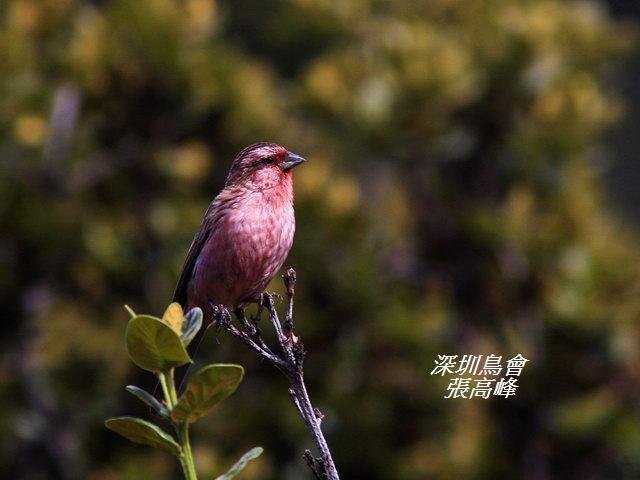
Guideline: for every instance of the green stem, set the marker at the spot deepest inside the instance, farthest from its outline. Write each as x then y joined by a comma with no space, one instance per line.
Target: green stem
190,471
165,390
171,398
172,388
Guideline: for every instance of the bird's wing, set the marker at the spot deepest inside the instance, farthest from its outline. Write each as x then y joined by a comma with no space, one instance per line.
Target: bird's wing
180,294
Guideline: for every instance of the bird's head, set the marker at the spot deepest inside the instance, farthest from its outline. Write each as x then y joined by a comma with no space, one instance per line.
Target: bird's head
263,165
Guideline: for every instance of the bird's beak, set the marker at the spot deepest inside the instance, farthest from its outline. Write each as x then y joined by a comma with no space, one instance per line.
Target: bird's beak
291,161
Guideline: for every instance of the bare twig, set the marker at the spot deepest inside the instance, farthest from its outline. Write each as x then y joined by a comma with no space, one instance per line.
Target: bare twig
290,363
312,464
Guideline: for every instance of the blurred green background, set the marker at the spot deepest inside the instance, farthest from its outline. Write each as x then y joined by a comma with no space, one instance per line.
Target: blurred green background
455,201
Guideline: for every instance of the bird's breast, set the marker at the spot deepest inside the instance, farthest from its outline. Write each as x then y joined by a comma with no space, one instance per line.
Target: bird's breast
249,243
261,229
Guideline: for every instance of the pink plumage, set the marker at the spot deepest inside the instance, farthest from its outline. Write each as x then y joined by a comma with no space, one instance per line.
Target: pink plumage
246,233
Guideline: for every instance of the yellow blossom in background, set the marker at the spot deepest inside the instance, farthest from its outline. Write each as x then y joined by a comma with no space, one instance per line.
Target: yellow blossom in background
24,15
30,129
88,48
312,179
550,105
256,100
190,162
325,84
201,18
342,195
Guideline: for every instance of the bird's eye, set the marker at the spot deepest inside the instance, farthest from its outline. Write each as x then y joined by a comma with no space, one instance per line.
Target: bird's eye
269,160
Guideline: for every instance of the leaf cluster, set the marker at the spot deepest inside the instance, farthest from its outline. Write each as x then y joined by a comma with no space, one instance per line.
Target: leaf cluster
159,345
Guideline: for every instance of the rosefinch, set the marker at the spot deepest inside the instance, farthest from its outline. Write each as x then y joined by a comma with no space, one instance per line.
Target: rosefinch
245,235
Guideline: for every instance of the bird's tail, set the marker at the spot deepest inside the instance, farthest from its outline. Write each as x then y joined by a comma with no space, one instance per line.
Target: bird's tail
182,373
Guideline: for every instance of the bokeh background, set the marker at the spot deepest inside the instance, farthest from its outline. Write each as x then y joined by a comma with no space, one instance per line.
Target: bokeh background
472,187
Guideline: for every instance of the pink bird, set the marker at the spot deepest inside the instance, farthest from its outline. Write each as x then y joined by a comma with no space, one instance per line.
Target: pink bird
246,233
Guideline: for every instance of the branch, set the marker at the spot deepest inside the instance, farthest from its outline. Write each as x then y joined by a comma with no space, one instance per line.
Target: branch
289,362
223,320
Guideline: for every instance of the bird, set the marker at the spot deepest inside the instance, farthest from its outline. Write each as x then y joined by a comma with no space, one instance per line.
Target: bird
245,236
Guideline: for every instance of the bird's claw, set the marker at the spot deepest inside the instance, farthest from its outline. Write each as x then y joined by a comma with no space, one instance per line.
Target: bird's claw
277,296
251,329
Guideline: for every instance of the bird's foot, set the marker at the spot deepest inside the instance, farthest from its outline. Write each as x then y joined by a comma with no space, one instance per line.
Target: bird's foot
220,316
276,295
251,329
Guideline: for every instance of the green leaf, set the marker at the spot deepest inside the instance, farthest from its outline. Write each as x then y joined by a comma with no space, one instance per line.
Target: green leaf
141,431
191,326
206,388
153,345
174,317
240,464
149,399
